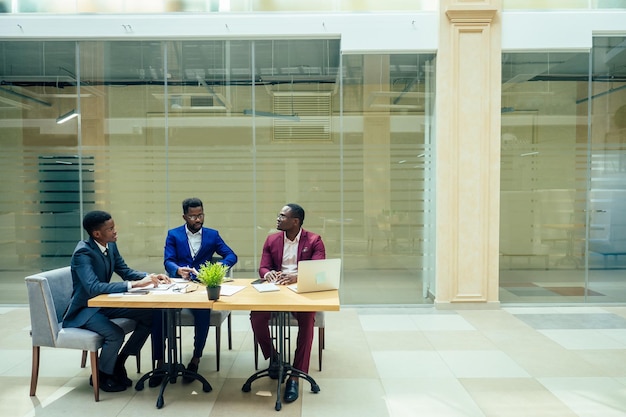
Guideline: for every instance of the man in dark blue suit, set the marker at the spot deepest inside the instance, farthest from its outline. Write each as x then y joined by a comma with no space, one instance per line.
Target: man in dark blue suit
93,262
187,247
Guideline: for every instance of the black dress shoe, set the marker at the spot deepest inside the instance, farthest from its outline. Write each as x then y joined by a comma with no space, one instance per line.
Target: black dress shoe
108,383
120,374
274,369
291,391
193,367
122,377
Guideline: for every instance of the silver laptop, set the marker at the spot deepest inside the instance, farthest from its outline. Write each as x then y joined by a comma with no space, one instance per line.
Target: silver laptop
317,275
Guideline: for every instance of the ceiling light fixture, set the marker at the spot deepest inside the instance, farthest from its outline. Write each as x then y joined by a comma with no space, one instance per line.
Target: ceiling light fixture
67,116
24,96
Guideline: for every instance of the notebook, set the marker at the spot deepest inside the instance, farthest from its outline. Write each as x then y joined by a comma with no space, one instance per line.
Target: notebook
317,275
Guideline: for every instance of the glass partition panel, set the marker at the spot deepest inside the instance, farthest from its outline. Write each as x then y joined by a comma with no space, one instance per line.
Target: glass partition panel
210,140
46,179
247,126
298,146
386,141
543,177
607,194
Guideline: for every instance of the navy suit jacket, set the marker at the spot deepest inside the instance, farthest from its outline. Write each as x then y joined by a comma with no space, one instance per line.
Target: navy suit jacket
178,254
309,247
91,276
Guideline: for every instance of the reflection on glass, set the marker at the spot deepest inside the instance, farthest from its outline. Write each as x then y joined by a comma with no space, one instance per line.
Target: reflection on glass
155,114
562,238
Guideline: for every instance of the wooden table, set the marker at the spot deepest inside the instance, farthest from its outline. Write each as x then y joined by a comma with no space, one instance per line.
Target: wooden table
281,302
170,303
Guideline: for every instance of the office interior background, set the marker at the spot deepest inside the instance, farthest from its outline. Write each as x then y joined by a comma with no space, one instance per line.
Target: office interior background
248,115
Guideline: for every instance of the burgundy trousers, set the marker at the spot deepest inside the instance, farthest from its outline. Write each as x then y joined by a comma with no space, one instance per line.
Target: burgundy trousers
260,327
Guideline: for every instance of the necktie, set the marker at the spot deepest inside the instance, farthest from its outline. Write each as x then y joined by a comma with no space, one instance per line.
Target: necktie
107,262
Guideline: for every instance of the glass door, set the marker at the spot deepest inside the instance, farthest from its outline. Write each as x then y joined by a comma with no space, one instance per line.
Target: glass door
607,170
543,177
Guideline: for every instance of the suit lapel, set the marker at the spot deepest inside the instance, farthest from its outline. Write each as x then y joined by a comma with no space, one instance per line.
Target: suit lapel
109,264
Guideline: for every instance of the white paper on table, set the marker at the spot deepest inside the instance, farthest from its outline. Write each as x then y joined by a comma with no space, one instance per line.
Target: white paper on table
266,286
227,290
161,287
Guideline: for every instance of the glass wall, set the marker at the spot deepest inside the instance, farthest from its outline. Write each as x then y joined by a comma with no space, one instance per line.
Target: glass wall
543,178
246,126
607,168
562,183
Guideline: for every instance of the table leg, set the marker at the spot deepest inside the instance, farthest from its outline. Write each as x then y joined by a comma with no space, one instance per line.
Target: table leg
285,369
171,368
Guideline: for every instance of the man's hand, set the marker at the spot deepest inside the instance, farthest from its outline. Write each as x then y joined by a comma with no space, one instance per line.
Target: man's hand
287,279
186,272
154,279
273,276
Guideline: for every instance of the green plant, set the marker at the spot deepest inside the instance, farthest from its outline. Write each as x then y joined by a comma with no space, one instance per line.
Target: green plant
212,275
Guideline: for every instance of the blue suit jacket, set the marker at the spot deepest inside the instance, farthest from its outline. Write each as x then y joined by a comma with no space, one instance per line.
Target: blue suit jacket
177,252
91,276
309,247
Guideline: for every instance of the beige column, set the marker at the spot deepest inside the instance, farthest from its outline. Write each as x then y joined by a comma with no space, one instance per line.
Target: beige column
468,153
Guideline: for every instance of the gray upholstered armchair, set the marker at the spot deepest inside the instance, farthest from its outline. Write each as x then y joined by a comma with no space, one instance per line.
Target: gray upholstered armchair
49,295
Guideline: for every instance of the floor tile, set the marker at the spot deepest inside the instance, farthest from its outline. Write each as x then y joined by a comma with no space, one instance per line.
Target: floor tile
431,396
482,364
590,397
515,397
410,364
583,339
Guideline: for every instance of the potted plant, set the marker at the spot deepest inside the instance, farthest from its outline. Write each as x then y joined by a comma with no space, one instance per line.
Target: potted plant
212,275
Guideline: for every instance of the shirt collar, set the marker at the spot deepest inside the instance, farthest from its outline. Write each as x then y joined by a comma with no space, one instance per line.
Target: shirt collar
192,234
296,240
102,248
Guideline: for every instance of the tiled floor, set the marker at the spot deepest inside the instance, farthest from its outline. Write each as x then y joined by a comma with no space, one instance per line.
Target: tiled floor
517,361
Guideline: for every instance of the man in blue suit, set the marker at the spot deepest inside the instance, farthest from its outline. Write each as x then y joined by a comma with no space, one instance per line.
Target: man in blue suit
93,262
186,248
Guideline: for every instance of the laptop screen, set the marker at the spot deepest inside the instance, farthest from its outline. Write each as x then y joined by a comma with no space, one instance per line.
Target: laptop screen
318,275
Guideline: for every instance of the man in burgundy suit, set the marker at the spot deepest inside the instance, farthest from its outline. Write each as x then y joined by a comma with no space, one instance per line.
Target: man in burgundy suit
279,264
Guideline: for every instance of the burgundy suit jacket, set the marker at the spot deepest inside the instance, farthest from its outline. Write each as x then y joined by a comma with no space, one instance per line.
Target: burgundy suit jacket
309,247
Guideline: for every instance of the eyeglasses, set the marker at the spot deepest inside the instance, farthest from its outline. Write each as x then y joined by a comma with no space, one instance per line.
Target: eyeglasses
195,217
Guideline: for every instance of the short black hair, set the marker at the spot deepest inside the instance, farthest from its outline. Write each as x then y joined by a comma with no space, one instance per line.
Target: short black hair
94,219
191,202
297,211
